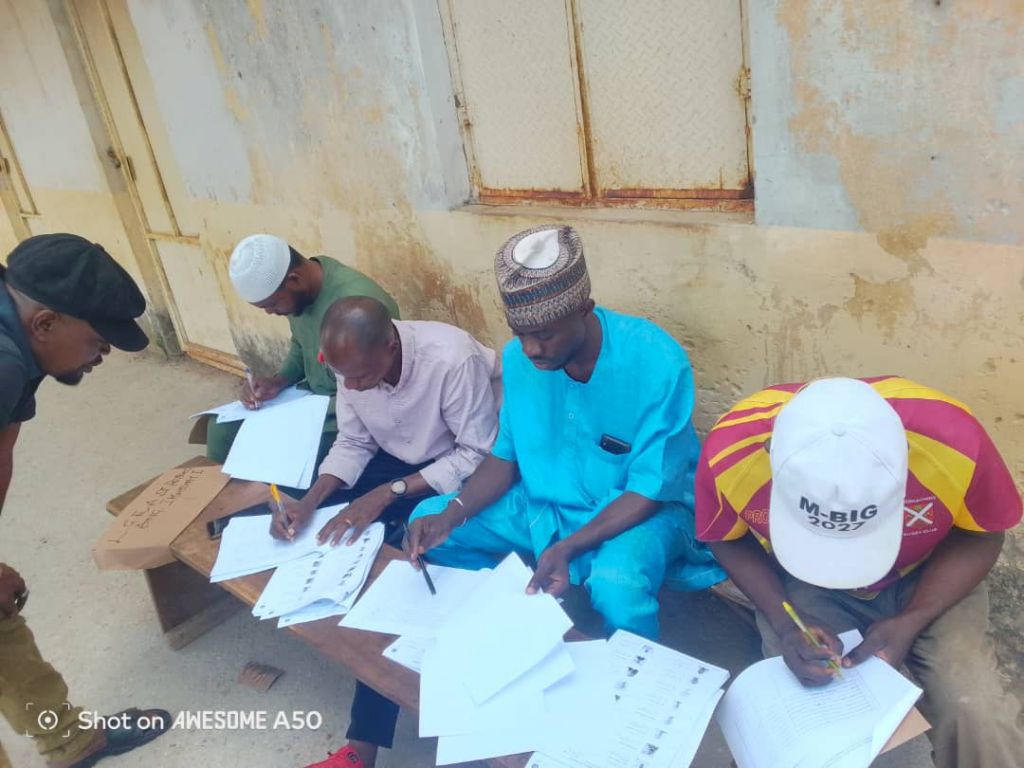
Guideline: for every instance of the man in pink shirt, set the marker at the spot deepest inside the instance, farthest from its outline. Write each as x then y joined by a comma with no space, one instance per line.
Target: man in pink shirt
416,416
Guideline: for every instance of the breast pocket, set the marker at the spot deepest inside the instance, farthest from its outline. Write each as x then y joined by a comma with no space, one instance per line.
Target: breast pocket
604,473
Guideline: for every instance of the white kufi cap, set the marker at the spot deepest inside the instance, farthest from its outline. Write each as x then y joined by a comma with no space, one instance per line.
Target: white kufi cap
258,266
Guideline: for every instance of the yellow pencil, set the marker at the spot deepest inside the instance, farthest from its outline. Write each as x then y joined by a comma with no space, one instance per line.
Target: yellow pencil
276,494
832,663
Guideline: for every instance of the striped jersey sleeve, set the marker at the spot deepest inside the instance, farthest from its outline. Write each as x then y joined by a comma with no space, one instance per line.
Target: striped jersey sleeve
953,456
734,469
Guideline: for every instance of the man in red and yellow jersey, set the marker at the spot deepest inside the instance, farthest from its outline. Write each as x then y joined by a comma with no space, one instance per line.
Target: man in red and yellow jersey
878,505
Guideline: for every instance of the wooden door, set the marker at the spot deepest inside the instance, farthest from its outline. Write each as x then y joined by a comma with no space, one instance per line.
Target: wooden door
116,69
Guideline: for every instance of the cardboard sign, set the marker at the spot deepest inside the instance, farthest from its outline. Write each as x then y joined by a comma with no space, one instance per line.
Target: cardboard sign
141,535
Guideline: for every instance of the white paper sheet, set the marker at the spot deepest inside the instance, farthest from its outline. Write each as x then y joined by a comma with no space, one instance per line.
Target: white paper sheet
247,547
279,445
409,650
399,602
770,719
576,708
540,760
466,747
321,609
236,410
330,573
500,633
447,708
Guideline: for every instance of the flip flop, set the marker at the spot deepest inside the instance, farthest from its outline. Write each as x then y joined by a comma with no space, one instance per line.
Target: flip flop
346,757
121,740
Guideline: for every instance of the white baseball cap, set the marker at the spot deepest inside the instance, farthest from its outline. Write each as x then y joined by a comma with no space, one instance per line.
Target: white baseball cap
258,266
839,476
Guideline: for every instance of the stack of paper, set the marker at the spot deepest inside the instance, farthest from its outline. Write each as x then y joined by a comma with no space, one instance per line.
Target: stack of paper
497,679
399,602
279,444
639,704
321,584
236,410
483,681
246,546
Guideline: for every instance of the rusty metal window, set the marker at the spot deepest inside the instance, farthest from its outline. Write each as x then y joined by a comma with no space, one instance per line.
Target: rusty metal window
604,102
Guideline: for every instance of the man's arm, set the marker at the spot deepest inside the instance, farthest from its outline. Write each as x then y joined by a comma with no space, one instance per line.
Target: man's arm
361,512
628,510
293,369
491,480
754,572
469,412
344,464
8,437
958,564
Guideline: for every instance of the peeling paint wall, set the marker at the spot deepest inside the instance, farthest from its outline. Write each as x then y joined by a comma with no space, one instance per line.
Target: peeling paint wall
900,117
327,123
332,123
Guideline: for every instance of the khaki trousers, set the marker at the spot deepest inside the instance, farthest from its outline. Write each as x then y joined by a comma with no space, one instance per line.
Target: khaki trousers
33,697
974,721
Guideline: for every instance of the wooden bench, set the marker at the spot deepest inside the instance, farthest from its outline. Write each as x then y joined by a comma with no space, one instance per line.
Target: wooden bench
187,605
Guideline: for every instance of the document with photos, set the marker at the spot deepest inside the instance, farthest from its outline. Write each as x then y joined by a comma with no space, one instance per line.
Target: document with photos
329,574
659,704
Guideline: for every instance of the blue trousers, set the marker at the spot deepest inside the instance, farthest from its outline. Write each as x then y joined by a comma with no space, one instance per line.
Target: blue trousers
623,575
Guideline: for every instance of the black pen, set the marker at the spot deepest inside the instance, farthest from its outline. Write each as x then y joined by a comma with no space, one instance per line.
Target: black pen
423,569
422,565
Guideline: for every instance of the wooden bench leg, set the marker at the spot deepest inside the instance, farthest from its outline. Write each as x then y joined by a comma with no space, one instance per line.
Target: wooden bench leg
187,605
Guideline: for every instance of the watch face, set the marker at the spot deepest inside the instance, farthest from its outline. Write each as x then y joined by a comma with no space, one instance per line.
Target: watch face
399,487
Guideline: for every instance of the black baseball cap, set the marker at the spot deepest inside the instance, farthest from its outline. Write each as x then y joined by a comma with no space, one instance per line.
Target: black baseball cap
69,274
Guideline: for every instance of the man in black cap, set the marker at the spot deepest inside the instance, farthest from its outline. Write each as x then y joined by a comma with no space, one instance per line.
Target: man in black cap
63,303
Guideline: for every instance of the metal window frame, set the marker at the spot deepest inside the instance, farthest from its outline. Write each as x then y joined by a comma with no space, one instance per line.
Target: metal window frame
592,195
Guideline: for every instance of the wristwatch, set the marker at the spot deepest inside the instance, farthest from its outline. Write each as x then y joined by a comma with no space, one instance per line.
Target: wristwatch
399,487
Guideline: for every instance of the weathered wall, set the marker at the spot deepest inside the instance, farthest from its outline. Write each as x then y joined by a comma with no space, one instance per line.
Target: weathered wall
50,134
901,117
327,123
332,123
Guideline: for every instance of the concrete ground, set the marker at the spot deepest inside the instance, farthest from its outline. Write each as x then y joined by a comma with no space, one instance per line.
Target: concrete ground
128,421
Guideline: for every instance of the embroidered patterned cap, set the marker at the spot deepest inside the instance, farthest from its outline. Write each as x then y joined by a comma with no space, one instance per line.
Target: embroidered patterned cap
542,276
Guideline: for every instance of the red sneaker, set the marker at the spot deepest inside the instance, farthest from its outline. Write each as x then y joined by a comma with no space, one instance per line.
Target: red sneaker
346,757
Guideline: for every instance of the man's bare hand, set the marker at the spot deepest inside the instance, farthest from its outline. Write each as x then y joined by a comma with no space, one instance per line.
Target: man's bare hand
425,533
12,587
552,574
296,516
261,391
807,662
357,517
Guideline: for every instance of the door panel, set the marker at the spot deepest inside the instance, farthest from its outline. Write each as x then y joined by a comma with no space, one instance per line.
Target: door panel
134,157
197,306
197,295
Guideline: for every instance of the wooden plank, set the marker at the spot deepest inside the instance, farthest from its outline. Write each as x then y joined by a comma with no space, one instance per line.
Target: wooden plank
187,604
